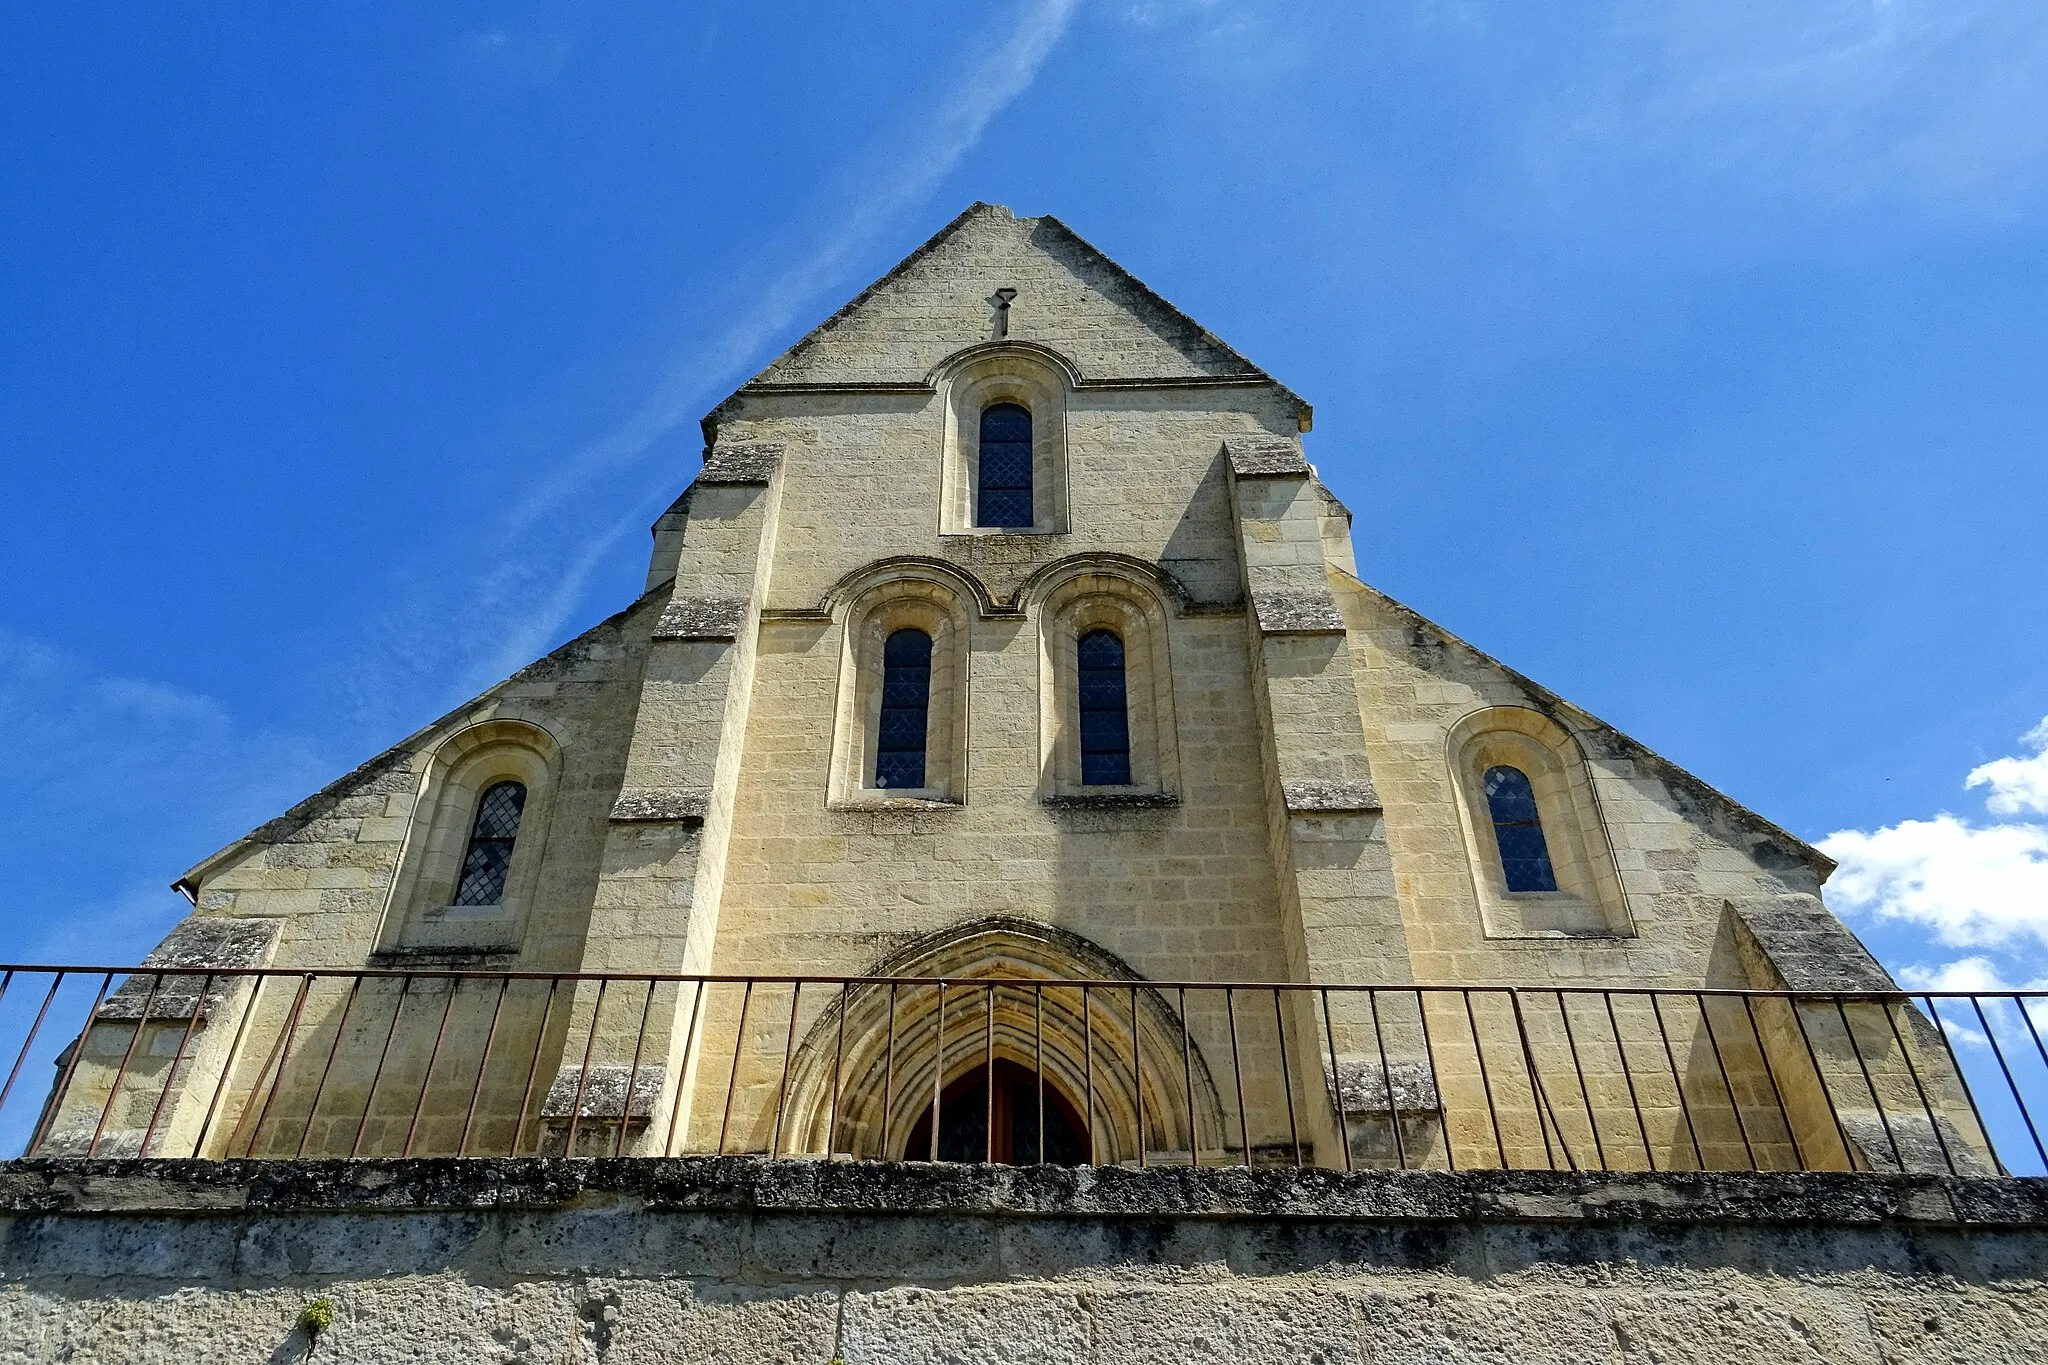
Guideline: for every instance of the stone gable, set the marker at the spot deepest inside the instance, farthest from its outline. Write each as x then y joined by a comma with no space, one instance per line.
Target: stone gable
1070,297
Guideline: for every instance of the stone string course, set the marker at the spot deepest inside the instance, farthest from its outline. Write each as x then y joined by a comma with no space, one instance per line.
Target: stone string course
741,1260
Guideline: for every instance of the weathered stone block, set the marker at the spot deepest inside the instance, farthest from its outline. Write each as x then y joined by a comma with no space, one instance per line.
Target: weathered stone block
1297,613
198,942
702,618
656,805
740,462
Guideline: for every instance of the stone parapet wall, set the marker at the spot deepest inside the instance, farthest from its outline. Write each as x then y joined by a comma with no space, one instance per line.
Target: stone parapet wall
743,1260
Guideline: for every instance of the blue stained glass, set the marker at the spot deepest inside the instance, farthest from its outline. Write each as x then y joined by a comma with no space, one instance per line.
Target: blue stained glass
1006,422
1518,831
1003,480
1105,711
906,706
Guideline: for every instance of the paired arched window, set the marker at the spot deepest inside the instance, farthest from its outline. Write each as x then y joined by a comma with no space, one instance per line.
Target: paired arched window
1518,830
906,706
491,836
1105,711
1004,483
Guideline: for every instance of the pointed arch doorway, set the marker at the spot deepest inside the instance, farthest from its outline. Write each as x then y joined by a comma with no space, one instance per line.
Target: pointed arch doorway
1003,1126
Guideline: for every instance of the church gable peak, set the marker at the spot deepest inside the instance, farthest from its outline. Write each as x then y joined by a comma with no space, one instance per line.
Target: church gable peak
990,277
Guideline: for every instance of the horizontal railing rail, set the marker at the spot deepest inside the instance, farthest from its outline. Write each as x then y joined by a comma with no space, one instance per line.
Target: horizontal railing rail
192,1061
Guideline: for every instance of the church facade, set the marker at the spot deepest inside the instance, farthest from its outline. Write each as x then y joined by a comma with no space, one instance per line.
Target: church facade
1006,635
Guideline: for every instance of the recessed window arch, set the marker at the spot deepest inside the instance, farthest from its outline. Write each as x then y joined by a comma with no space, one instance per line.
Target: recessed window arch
1518,830
1105,710
476,842
1003,488
492,836
901,727
1540,859
1004,440
1106,721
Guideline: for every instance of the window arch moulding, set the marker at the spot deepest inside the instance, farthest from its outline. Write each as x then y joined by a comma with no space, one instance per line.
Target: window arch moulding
1084,602
1588,901
901,601
422,917
1032,378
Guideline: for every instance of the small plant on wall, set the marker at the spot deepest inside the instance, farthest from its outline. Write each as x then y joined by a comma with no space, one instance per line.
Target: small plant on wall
315,1318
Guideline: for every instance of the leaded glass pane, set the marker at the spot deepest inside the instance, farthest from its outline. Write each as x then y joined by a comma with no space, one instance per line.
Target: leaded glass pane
906,705
1105,711
908,647
1005,473
900,770
1100,649
905,685
489,856
1106,770
1518,831
1509,796
1104,732
1006,468
1005,509
902,727
1005,422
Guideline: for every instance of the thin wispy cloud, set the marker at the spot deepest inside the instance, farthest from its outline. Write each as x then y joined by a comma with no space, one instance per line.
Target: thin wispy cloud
522,59
533,586
891,184
159,775
1943,102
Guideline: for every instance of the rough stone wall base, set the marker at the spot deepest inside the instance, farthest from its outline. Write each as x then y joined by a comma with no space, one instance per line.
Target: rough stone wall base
735,1260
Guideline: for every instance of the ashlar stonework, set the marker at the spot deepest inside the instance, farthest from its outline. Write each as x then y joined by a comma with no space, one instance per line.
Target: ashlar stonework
1301,792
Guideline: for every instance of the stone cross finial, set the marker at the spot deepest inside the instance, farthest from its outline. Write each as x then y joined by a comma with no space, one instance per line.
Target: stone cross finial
1001,299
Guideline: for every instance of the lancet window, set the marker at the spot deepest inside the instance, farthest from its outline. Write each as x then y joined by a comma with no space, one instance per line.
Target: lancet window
491,837
906,706
1518,830
1105,711
1004,484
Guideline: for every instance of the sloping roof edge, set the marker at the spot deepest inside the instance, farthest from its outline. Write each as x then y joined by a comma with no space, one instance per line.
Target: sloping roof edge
931,244
279,828
1633,749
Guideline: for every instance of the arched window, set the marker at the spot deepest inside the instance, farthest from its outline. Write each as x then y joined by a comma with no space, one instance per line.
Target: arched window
1005,482
1524,857
490,844
906,702
1105,714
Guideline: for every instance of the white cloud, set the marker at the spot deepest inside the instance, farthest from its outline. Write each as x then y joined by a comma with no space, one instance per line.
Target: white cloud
1975,973
2019,786
1973,885
1965,1020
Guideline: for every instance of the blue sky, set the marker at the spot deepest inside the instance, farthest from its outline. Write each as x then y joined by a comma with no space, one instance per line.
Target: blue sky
1686,356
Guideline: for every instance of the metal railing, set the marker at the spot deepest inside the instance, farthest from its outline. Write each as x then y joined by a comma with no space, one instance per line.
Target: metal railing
297,1064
